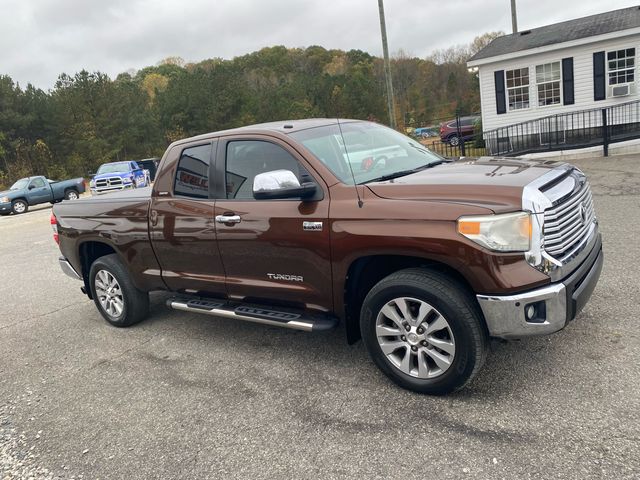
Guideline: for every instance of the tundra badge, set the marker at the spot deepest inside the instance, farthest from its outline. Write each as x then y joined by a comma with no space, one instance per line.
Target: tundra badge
312,226
289,278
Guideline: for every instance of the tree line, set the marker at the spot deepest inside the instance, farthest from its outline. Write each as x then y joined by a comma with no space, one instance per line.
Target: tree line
88,118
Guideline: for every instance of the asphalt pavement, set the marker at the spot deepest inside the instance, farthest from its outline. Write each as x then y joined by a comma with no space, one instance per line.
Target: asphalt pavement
188,396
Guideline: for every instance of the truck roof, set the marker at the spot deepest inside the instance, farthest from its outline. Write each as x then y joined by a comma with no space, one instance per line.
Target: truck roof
283,127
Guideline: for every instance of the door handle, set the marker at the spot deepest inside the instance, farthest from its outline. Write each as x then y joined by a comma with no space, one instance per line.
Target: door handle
228,218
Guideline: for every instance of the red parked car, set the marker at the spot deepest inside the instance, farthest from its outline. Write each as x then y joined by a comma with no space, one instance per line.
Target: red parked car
449,130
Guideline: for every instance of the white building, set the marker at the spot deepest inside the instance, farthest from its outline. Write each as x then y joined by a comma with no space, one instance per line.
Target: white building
587,63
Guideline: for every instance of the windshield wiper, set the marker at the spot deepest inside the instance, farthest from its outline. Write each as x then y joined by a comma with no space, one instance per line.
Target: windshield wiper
402,173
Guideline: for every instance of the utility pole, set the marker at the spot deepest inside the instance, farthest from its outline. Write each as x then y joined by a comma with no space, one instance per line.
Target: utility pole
387,67
514,17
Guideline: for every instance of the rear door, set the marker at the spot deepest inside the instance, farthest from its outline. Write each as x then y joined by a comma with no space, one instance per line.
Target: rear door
181,221
274,251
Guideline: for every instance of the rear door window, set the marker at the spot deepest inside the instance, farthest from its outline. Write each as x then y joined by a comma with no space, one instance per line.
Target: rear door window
192,174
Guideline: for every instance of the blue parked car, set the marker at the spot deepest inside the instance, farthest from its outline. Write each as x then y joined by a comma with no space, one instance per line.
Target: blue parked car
30,191
115,176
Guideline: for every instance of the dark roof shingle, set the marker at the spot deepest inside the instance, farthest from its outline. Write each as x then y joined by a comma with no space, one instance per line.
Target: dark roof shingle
590,26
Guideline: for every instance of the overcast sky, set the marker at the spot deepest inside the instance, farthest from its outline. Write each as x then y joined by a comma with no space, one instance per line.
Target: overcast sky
39,39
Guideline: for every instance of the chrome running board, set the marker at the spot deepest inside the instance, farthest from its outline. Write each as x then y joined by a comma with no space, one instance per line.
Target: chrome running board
296,320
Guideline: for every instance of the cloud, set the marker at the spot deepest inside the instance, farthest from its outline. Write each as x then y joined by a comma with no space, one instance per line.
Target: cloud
40,40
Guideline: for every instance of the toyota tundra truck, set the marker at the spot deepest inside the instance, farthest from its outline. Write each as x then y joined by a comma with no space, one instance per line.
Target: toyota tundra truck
425,259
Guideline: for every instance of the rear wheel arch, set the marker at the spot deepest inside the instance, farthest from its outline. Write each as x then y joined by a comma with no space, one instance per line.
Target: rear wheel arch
89,252
71,189
365,272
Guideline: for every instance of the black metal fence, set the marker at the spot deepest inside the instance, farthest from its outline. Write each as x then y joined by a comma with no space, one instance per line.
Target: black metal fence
456,137
564,131
470,148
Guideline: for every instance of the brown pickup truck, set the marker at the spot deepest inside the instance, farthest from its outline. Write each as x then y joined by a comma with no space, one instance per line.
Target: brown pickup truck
311,223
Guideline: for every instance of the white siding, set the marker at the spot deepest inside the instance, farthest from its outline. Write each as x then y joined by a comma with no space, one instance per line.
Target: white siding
583,82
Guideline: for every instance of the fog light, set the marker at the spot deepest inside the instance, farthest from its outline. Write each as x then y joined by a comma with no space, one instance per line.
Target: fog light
536,312
530,312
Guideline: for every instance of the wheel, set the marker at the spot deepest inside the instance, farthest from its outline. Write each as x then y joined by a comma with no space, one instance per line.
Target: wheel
71,195
117,299
454,141
19,206
424,331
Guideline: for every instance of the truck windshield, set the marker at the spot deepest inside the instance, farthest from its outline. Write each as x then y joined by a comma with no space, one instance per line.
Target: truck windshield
113,168
20,184
370,150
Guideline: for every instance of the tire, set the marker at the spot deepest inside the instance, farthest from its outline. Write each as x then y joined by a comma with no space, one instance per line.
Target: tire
133,303
454,141
440,361
71,195
19,206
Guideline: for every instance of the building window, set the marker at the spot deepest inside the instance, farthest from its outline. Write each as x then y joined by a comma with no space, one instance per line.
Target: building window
621,65
548,81
518,88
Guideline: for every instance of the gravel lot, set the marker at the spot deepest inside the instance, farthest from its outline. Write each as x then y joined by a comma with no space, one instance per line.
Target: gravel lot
187,396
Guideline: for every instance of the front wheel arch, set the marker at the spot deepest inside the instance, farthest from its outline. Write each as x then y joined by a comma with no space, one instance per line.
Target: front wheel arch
19,200
365,272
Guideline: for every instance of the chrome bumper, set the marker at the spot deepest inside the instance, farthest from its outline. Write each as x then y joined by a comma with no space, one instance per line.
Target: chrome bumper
68,269
555,305
505,314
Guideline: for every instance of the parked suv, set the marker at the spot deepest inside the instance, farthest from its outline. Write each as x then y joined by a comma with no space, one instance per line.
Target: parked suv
421,257
449,130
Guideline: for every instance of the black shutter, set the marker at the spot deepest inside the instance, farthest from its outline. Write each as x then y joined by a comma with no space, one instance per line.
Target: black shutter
599,80
567,81
501,104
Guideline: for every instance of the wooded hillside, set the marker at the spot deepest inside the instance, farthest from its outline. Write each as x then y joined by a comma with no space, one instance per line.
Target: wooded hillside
88,118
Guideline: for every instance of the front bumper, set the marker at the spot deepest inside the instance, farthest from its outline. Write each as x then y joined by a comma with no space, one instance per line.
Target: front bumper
6,207
555,305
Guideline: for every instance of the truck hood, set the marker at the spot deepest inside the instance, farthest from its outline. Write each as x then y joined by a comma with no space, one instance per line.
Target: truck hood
10,193
492,182
109,175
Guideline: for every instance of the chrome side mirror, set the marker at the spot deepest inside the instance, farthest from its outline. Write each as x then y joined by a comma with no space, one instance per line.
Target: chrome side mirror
281,184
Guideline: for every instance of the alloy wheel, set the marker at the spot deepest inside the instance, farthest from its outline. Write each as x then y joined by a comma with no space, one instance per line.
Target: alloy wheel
109,293
415,338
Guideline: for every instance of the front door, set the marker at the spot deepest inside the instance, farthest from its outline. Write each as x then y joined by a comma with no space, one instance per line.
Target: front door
39,191
274,251
181,218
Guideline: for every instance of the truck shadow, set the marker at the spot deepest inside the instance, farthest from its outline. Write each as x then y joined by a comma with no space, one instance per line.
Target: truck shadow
312,360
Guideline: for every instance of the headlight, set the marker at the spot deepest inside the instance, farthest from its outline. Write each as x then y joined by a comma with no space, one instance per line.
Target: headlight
92,183
509,232
5,200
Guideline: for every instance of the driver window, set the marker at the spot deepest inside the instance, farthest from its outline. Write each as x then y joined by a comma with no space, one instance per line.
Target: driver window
248,158
37,183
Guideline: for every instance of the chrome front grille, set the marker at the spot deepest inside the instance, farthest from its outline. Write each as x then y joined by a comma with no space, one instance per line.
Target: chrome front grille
566,224
107,183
